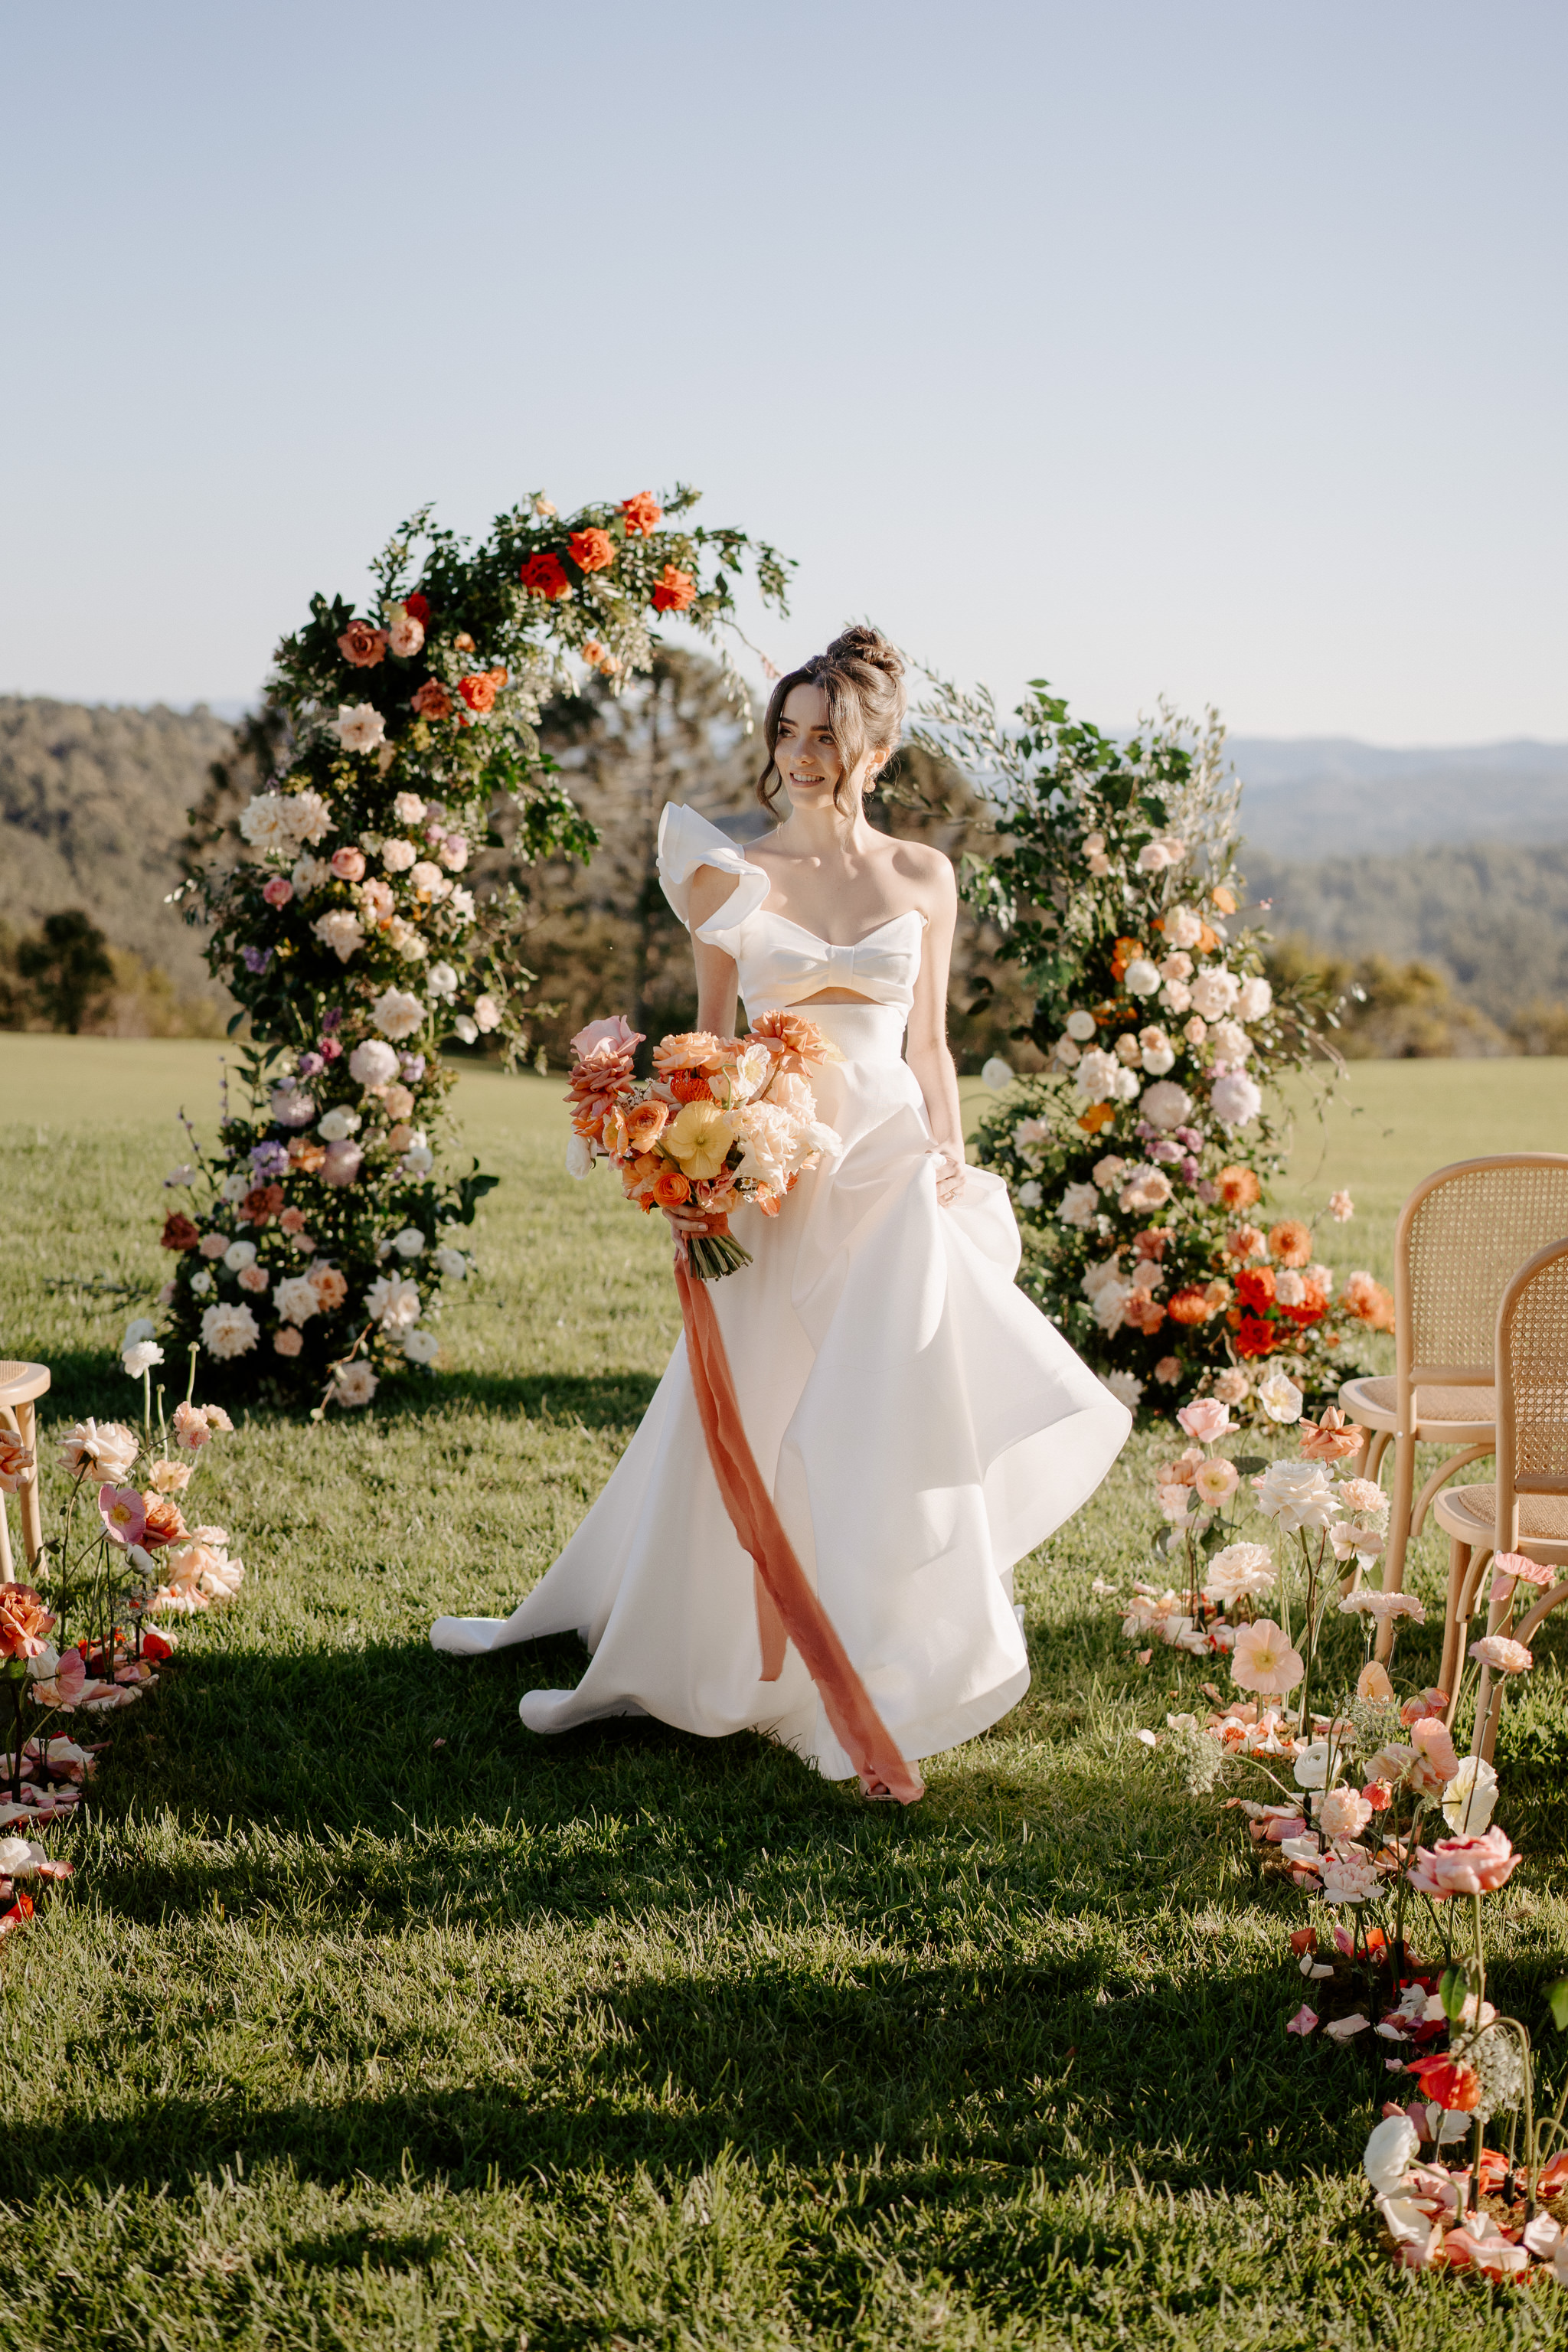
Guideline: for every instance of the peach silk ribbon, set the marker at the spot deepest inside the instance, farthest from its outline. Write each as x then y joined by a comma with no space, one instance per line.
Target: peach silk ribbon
787,1608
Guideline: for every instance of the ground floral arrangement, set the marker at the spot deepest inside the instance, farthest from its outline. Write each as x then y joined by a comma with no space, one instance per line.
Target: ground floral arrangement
1138,1161
1344,1801
79,1640
724,1123
312,1259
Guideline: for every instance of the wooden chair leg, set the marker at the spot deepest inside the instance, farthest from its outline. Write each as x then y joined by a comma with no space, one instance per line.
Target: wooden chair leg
1398,1532
1375,1452
30,1496
1459,1568
7,1574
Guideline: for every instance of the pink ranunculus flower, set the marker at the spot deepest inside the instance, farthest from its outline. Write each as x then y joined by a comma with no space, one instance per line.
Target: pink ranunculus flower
1205,1418
1264,1660
123,1513
615,1031
278,891
1477,1865
1342,1813
348,864
1503,1655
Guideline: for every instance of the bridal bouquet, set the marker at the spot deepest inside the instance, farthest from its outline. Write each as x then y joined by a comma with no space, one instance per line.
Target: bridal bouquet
723,1123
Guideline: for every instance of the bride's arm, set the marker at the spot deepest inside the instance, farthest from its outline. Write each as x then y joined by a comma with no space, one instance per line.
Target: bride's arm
717,981
926,1052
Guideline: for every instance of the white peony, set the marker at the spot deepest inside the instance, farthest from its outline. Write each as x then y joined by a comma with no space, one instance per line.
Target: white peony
452,1264
338,929
362,728
1281,1398
1097,1075
374,1064
409,809
1080,1205
394,1302
339,1124
1166,1105
1235,1100
1140,978
409,1242
238,1255
296,1299
421,1346
228,1330
1215,993
1254,999
396,1013
1080,1026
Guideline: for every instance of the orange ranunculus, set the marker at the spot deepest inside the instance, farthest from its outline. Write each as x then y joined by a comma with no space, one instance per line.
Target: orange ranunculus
361,645
1096,1116
478,690
1370,1301
1255,1287
689,1086
1123,954
303,1154
1189,1306
545,575
671,1188
674,590
591,550
692,1049
642,515
262,1204
1255,1337
432,702
1144,1313
166,1521
1290,1242
178,1233
330,1286
645,1123
1224,900
1238,1186
1243,1242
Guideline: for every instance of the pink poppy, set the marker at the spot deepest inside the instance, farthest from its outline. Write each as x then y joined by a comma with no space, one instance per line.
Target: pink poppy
124,1514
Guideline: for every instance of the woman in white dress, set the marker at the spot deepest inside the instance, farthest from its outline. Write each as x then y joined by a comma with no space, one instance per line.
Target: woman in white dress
920,1425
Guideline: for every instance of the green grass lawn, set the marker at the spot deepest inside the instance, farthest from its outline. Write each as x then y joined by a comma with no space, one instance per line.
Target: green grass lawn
372,2019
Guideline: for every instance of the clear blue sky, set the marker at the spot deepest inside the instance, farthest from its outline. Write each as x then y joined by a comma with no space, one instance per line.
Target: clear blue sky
1153,345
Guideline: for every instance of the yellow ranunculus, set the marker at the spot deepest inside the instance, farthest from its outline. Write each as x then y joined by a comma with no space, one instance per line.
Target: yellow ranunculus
700,1139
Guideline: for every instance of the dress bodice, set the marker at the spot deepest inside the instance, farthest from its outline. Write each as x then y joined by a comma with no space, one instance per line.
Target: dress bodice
779,961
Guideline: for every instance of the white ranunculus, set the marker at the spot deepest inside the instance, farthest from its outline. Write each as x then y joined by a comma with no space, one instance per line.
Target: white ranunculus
442,981
339,1124
1080,1026
1235,1100
1215,993
452,1264
396,1013
1140,978
373,1064
419,1159
201,1285
228,1330
234,1186
1080,1205
1390,2153
339,930
1030,1195
140,1358
394,1301
421,1346
1298,1494
409,1242
1313,1763
1281,1398
1166,1105
1254,999
296,1299
1158,1059
238,1255
996,1074
360,728
1097,1075
1470,1797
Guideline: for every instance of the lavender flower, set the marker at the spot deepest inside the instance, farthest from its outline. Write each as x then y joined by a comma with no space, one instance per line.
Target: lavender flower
257,959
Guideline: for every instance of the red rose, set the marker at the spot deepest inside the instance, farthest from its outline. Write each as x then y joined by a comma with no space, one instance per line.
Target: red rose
642,515
418,608
261,1203
1255,1287
591,550
676,590
1255,1337
361,645
432,702
545,575
178,1233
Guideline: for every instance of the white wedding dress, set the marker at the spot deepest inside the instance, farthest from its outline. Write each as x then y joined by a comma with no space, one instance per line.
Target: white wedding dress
920,1425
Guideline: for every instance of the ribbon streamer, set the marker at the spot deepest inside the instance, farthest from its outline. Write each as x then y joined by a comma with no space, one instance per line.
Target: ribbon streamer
787,1608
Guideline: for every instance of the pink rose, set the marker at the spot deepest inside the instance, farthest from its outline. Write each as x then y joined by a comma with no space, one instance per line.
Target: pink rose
348,864
1205,1418
454,853
288,1341
378,903
615,1031
278,891
1464,1866
213,1245
341,1164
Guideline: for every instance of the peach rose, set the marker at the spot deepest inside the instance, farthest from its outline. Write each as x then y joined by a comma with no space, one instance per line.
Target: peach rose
361,645
432,702
348,864
288,1341
645,1123
330,1286
478,690
165,1520
377,903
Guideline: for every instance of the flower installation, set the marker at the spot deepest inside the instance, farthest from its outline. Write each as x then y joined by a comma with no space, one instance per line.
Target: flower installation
311,1260
79,1640
1351,1811
723,1123
1139,1161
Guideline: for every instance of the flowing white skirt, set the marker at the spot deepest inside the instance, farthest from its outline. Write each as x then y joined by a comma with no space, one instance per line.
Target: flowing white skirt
923,1427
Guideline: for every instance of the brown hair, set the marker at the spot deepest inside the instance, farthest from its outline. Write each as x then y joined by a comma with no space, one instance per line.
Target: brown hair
862,676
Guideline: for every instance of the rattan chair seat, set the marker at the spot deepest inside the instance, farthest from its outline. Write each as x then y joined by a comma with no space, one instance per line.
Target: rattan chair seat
1375,1402
1471,1513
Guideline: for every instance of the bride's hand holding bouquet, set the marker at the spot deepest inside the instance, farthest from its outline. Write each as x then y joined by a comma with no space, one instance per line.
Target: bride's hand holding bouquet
723,1123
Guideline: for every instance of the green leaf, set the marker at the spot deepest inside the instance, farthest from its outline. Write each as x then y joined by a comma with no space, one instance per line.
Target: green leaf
1247,1465
1453,1991
1557,2000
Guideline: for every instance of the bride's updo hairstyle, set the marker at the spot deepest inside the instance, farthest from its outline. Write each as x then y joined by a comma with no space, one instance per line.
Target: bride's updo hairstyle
862,676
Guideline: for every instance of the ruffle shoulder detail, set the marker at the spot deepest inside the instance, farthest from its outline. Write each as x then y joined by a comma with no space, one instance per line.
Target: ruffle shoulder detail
686,841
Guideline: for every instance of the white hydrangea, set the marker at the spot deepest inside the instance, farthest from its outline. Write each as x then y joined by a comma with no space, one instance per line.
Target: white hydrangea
1236,1100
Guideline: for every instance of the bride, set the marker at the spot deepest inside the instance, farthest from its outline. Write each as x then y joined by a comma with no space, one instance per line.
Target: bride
920,1425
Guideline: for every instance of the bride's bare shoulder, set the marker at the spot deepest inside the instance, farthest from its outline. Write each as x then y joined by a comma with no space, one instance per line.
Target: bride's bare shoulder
929,870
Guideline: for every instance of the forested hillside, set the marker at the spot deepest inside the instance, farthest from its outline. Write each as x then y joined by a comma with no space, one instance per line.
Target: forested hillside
1330,797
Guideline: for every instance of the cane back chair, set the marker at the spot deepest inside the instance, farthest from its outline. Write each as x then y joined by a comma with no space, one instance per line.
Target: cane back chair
1527,1509
1461,1235
21,1385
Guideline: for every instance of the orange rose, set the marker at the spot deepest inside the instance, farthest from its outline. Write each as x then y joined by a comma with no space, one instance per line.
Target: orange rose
178,1233
645,1123
1144,1313
545,575
671,1188
361,645
330,1286
166,1521
676,590
477,691
1290,1242
432,702
1126,950
641,515
591,550
1238,1186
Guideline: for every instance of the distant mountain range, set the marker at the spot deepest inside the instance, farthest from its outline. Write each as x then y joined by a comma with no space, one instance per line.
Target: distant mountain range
1322,797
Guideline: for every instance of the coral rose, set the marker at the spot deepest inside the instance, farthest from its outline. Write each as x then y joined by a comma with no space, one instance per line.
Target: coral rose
178,1233
361,645
330,1286
432,702
278,891
479,689
164,1522
591,550
674,590
1238,1186
545,575
642,515
1290,1242
1189,1306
